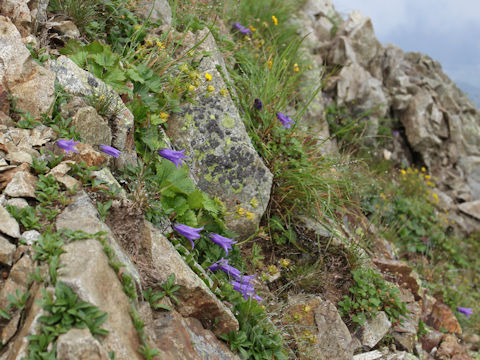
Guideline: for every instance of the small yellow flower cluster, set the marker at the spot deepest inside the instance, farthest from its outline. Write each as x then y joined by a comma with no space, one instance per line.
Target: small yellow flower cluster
208,77
308,336
285,262
275,20
242,212
272,270
296,68
164,115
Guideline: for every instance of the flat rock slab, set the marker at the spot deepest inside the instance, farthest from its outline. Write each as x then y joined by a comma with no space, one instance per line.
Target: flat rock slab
471,208
86,270
7,249
195,298
23,184
8,225
79,344
408,277
373,330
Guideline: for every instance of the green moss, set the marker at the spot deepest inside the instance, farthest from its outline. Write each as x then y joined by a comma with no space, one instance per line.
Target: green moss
240,188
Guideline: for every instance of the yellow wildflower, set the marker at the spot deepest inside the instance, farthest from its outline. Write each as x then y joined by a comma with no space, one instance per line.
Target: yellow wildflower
240,211
137,27
223,92
272,269
210,88
184,68
296,68
431,184
160,45
149,42
403,172
306,308
275,20
285,262
191,87
101,97
297,317
252,29
254,202
208,77
435,197
427,177
423,169
249,215
164,116
269,63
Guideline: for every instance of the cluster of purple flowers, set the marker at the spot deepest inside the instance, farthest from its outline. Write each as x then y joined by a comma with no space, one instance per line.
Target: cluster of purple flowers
465,311
286,120
69,146
241,283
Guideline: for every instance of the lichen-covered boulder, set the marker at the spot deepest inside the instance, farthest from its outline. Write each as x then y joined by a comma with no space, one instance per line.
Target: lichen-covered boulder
223,161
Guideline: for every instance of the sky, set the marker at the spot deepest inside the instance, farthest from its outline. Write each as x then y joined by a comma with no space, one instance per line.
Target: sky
446,30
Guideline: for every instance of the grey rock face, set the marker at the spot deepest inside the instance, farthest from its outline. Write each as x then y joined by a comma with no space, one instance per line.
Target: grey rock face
373,330
155,10
223,161
8,225
93,129
79,344
7,249
31,84
23,184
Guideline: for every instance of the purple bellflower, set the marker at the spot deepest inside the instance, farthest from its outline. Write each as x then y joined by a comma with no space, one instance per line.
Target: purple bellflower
172,155
257,104
466,311
222,264
224,242
67,145
246,290
286,120
190,233
242,29
110,150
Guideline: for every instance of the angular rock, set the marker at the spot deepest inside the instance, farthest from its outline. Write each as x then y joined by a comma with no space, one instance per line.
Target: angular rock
223,161
8,225
373,330
195,298
6,176
7,249
106,176
60,171
11,328
30,237
93,128
185,338
450,348
29,83
86,270
155,10
23,184
18,202
19,13
78,82
371,355
17,279
81,214
471,208
442,317
80,344
407,277
431,340
400,355
331,338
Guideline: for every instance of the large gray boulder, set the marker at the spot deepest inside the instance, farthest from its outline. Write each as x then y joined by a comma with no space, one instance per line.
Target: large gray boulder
223,161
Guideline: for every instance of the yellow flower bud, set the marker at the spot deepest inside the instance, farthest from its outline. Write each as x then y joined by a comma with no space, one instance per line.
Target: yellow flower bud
210,88
275,20
208,77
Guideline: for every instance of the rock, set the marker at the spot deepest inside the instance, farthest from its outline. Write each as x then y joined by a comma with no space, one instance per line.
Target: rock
405,332
23,184
155,10
431,340
407,277
195,298
66,29
7,249
450,348
30,237
82,215
400,355
223,161
7,176
106,176
18,202
371,355
19,13
86,153
87,271
8,225
11,328
320,332
30,84
60,171
80,344
443,318
185,338
93,129
81,83
471,208
17,279
373,330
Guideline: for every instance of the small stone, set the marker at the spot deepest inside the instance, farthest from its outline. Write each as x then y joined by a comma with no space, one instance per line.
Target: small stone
442,317
407,277
11,328
7,249
371,355
80,344
66,28
431,340
23,184
17,202
93,128
8,225
30,237
60,171
373,330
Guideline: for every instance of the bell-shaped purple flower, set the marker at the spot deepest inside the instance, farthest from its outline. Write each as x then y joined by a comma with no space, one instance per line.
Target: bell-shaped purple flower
246,290
222,264
286,120
190,233
466,311
110,150
224,242
242,29
257,104
67,145
173,155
